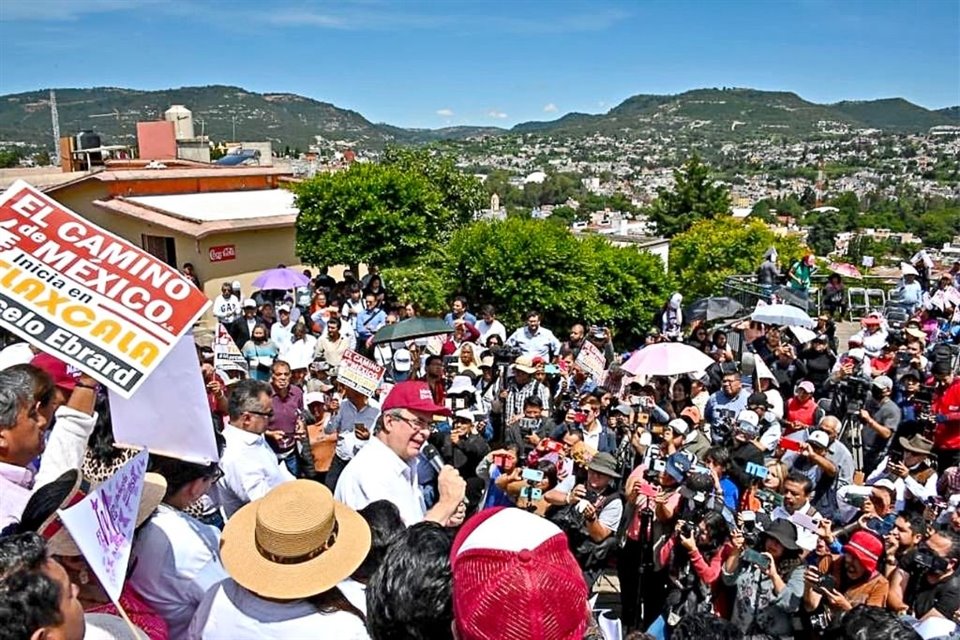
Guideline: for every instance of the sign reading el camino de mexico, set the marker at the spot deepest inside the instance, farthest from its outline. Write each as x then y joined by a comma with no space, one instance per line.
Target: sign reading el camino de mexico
86,296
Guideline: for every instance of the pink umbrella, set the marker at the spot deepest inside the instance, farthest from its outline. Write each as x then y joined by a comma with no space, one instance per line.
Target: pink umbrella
844,269
667,359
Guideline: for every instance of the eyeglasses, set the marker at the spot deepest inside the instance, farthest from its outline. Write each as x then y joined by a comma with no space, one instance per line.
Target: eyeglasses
265,414
416,423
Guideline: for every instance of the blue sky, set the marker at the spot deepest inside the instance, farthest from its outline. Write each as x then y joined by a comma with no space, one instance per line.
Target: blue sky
433,64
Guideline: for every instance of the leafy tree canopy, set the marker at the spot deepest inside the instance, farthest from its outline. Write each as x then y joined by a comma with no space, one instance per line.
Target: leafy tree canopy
694,197
385,214
702,257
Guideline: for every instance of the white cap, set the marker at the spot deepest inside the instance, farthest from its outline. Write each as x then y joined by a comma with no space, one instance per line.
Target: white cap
283,307
402,361
235,285
679,426
857,354
313,396
250,302
749,417
461,384
464,414
819,438
886,483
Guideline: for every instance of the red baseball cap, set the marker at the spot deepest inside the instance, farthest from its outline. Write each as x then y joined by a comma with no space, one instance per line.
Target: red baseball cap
64,375
414,395
514,577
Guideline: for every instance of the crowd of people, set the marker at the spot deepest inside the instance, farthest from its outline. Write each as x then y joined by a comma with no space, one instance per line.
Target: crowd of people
792,489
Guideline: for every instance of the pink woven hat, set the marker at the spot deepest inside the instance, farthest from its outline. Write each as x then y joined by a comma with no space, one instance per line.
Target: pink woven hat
514,577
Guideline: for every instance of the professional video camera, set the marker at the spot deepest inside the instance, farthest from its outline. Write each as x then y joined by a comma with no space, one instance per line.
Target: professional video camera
504,355
849,396
721,431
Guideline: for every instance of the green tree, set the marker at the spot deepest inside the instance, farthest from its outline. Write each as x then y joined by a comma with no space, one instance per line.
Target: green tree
42,158
460,193
823,232
702,257
369,213
694,197
761,211
387,213
519,264
9,158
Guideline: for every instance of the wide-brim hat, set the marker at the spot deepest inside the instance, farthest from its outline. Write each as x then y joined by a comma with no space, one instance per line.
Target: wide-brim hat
917,444
604,463
293,543
525,364
784,532
59,540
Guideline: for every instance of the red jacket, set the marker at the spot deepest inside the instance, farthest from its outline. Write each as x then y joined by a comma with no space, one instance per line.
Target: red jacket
947,404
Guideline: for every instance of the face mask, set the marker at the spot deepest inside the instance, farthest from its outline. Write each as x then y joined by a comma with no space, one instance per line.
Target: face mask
259,339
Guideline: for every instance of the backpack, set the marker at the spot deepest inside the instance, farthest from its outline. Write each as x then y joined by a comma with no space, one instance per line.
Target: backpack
589,553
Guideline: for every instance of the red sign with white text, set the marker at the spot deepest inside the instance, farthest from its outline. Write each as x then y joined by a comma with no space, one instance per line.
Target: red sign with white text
223,253
85,295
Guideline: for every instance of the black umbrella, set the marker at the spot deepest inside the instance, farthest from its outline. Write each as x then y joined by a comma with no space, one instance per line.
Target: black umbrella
411,329
714,308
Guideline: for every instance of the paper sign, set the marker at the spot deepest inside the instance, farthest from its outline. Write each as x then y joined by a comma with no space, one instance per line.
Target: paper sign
226,355
86,296
591,360
170,414
358,373
102,523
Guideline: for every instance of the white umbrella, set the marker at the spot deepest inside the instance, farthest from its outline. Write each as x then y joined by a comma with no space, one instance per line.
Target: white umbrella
667,359
802,334
783,314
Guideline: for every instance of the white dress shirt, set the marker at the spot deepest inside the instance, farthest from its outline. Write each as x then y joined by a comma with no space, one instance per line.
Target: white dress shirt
176,561
377,473
282,336
806,539
250,469
230,612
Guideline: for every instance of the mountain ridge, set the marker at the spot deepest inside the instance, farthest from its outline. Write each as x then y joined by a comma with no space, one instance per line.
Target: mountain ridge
225,112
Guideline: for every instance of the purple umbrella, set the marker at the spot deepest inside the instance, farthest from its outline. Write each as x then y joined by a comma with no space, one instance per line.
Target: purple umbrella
282,279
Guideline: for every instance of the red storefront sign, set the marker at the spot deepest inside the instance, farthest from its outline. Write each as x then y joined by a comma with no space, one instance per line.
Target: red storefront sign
223,252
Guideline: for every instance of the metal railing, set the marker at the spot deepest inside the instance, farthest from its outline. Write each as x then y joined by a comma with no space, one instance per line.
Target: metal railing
745,290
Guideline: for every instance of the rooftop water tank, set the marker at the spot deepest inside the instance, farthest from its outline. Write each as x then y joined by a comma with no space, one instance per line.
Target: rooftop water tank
182,120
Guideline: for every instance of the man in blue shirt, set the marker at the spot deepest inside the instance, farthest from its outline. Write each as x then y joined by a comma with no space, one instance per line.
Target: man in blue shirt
730,400
459,312
368,321
534,340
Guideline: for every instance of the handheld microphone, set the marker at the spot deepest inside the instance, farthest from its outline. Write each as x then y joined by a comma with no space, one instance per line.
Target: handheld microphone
432,456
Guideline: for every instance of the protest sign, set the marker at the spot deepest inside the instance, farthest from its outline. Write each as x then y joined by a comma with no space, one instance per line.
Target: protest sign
170,414
591,360
226,355
102,523
358,373
86,296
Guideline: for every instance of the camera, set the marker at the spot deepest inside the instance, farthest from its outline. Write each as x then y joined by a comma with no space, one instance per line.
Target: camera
769,500
825,583
687,529
881,526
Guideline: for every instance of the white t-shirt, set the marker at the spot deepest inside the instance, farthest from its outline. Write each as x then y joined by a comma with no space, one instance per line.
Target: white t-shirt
377,473
226,310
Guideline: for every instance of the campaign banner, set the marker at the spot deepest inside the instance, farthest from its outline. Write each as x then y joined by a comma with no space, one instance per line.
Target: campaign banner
226,355
102,524
86,296
361,374
591,360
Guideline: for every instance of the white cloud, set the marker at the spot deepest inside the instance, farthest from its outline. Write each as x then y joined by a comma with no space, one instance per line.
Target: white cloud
493,113
446,113
550,108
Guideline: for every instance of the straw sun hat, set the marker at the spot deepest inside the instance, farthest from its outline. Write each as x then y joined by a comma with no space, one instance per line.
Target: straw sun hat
295,542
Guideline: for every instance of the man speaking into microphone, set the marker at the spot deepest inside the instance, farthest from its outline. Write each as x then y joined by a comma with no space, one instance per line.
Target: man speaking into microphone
386,468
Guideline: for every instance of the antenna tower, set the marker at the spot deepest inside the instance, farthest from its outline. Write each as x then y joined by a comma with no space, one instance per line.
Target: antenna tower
55,117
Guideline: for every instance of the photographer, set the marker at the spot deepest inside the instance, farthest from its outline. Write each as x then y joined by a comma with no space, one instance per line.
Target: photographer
911,471
731,399
786,367
881,417
768,580
528,494
745,449
946,406
927,584
797,491
528,430
818,360
825,461
838,583
653,499
769,426
694,555
592,515
493,466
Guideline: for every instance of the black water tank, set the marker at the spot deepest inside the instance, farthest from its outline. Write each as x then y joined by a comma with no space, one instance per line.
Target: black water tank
88,140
